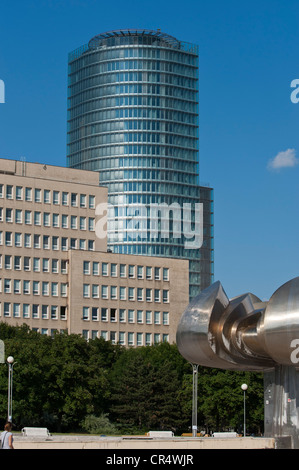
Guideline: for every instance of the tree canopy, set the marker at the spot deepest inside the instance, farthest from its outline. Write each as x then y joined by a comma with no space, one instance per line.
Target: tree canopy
64,381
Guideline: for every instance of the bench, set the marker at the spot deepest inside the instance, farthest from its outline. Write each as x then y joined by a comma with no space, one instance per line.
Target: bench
222,435
35,432
160,434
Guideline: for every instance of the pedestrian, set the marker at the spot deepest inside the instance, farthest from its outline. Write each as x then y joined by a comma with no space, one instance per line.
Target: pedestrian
7,437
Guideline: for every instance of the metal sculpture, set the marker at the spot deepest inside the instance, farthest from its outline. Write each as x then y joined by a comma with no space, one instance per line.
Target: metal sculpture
245,333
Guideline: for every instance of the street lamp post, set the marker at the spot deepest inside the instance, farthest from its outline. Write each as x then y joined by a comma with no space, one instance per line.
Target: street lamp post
194,400
10,362
244,388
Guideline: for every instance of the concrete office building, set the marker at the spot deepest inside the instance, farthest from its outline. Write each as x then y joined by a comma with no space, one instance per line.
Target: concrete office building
56,273
133,117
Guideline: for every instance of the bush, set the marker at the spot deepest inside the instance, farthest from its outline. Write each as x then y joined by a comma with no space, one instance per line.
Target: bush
99,425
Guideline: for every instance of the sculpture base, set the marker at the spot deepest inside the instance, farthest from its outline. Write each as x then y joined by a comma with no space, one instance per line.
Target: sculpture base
281,403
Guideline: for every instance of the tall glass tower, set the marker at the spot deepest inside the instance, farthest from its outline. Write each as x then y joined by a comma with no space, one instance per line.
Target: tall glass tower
133,117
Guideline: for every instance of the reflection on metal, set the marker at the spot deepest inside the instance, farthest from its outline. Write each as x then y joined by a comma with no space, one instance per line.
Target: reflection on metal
245,333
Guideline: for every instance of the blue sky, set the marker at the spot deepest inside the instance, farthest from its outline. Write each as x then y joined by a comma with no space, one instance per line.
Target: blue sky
248,58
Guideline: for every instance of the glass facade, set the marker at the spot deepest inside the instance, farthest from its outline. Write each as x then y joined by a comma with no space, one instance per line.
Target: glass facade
133,117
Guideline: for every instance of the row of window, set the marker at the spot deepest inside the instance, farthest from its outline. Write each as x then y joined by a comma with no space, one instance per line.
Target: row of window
34,311
113,315
47,219
125,293
126,338
141,137
126,65
26,287
145,175
145,149
45,242
35,264
132,100
115,126
38,195
122,270
133,88
120,53
134,112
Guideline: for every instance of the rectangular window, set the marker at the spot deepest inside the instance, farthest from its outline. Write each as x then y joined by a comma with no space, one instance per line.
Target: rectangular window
64,221
82,223
139,294
121,339
37,195
19,193
165,296
104,314
26,310
17,263
74,199
139,316
91,202
47,199
122,293
130,339
130,316
148,317
46,242
28,194
46,219
95,314
54,289
45,312
95,268
82,200
122,315
113,292
148,339
131,271
140,272
35,287
157,318
165,318
18,216
45,265
55,197
148,272
45,288
9,191
17,286
104,292
139,339
104,269
35,311
113,317
122,270
54,312
165,274
55,220
86,267
85,313
113,269
95,291
64,199
86,290
131,293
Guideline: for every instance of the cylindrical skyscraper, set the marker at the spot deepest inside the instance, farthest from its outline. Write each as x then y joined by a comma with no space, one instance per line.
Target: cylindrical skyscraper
133,117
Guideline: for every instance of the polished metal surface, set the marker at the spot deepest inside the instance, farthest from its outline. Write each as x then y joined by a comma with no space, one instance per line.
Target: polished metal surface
247,334
242,333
